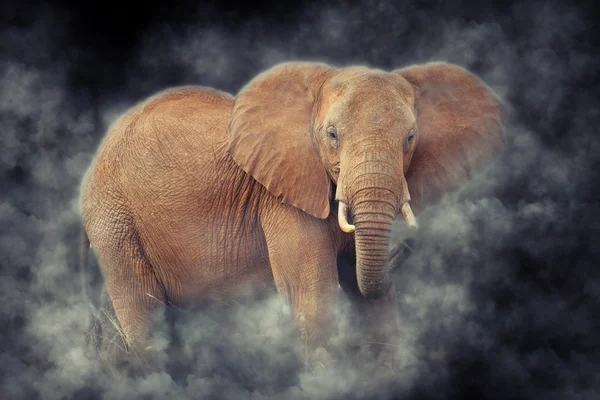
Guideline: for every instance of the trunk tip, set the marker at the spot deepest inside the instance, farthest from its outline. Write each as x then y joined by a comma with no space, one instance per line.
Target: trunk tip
375,292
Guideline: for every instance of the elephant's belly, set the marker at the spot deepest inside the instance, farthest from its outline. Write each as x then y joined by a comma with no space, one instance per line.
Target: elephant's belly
211,279
213,264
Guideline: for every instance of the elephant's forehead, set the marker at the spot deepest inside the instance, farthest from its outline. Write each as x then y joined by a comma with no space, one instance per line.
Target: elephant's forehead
357,111
369,95
367,101
369,83
356,78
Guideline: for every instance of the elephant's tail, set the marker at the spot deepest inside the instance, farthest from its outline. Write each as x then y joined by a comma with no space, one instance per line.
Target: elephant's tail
83,269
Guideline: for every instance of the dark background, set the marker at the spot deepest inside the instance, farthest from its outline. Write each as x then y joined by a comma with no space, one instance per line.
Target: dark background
502,300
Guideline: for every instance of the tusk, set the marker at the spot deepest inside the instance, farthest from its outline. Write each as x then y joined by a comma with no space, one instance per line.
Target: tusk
409,216
343,219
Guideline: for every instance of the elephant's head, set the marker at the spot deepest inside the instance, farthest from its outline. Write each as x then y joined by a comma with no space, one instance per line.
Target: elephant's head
384,140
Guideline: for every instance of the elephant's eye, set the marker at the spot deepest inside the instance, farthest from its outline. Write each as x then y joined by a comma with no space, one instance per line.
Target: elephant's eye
409,139
332,133
411,136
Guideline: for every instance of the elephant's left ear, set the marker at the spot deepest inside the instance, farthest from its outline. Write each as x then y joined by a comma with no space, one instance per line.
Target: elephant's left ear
269,135
460,130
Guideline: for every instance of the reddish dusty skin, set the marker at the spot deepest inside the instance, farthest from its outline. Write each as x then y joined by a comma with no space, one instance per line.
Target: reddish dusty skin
197,194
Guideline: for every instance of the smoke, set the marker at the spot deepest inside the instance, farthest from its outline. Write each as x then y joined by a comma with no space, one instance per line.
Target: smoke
500,299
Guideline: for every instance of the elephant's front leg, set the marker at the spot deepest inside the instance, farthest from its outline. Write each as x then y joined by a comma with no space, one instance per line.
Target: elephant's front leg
303,261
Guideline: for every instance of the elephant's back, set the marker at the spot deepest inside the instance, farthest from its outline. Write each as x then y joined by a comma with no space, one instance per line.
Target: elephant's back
176,120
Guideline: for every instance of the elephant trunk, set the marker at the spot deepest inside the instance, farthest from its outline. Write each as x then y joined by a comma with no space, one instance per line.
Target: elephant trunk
374,206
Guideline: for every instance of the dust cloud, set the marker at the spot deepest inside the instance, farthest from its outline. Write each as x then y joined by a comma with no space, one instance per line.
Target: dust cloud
500,300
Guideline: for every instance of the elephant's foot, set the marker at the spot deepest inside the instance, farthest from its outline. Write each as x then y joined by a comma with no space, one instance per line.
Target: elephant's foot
106,344
314,354
119,354
317,360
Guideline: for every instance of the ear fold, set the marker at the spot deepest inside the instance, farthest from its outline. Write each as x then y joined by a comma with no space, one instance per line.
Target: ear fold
460,125
270,138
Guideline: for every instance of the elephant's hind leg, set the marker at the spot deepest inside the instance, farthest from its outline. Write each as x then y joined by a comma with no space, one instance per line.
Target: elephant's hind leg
104,337
137,295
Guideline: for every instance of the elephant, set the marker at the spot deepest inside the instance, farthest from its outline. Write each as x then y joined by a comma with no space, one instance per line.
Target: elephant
292,184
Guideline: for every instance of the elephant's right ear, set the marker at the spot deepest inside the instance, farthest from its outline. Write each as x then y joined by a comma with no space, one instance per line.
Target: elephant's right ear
269,135
460,123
